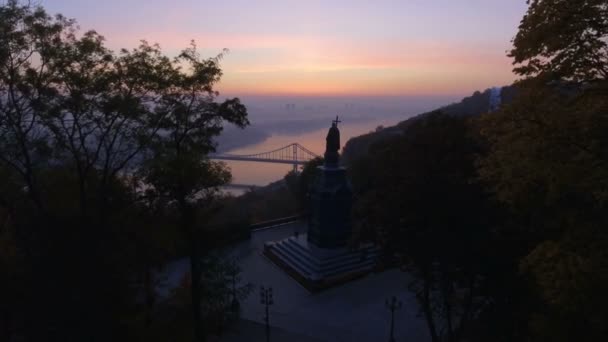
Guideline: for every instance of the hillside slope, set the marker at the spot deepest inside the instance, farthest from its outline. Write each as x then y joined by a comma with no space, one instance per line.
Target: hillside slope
474,105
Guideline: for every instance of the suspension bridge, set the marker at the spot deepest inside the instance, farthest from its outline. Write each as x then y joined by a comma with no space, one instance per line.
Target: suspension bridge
293,154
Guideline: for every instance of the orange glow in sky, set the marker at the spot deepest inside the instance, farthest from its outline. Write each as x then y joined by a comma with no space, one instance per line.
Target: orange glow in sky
384,47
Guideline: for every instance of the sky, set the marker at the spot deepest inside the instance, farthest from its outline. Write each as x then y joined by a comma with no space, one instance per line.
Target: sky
323,47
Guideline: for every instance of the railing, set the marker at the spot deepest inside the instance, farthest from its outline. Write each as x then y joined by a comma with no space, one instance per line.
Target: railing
277,222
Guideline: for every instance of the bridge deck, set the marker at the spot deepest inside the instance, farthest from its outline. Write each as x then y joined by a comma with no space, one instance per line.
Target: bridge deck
259,160
294,154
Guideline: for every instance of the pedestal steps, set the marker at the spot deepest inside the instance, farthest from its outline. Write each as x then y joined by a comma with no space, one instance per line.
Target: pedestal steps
315,263
324,256
330,264
313,274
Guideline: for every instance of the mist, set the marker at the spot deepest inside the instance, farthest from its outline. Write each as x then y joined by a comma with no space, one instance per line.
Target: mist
287,115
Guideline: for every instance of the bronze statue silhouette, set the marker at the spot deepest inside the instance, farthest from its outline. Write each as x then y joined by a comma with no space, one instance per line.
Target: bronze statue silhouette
332,144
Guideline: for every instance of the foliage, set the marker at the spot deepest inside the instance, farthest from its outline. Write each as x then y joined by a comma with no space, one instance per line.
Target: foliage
102,154
543,143
522,188
563,39
425,206
179,171
190,121
299,183
470,106
547,165
222,288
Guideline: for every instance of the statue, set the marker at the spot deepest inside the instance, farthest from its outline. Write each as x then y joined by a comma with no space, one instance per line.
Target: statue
332,144
330,225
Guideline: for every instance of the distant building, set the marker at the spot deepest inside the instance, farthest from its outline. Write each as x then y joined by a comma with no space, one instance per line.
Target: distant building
495,98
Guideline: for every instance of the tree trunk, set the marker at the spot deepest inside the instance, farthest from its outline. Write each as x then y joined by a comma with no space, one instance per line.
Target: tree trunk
150,296
82,184
468,307
446,289
195,286
199,331
6,331
428,311
34,193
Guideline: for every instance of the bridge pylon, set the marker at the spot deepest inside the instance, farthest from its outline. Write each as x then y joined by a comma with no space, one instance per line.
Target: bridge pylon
295,157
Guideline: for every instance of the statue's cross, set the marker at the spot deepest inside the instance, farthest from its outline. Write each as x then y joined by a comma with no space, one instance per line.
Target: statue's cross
337,121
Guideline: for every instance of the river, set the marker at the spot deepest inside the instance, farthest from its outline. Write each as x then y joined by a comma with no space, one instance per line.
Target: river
260,174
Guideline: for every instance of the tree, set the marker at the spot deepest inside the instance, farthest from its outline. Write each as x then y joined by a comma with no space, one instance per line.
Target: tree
547,164
425,206
79,125
106,115
223,290
179,169
67,99
26,89
10,263
299,183
563,39
222,285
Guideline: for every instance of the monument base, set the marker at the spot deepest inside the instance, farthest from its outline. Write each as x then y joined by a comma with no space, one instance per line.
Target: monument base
320,268
330,224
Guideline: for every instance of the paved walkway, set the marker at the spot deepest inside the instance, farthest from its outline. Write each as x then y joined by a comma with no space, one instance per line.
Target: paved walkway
248,331
353,312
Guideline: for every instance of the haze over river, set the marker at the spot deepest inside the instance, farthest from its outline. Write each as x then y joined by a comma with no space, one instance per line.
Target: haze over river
280,121
254,173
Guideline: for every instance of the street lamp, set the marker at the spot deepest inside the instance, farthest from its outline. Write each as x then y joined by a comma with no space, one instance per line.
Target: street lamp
266,300
393,304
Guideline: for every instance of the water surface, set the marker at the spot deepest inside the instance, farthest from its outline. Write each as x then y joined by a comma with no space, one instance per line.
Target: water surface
263,173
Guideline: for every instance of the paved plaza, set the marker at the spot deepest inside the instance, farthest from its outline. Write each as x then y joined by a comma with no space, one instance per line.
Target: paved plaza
249,331
351,312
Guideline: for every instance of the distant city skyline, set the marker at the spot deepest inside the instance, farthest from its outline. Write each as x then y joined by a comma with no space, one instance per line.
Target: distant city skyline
323,48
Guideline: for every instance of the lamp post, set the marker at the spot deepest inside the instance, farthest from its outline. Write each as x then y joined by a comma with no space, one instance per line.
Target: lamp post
266,300
393,304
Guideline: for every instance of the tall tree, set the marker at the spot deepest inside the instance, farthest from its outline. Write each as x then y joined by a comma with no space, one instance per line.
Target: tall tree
563,39
28,39
77,121
68,94
426,207
179,168
105,117
547,163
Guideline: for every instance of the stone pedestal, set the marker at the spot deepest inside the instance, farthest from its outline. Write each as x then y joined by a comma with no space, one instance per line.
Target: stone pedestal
330,224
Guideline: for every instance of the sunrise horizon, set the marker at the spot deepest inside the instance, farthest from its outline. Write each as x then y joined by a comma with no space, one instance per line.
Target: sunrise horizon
324,50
